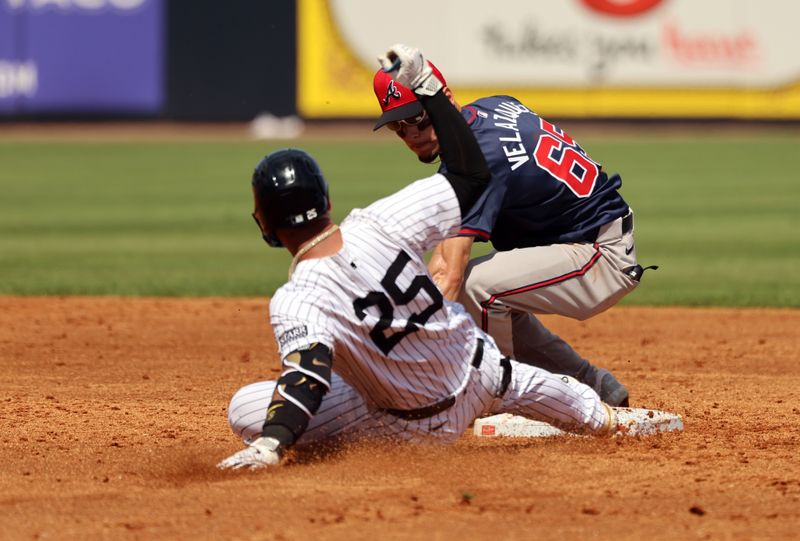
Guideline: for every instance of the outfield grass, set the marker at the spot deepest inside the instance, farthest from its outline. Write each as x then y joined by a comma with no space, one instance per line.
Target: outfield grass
720,215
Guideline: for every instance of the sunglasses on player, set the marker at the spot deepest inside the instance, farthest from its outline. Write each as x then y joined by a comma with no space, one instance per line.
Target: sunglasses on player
421,121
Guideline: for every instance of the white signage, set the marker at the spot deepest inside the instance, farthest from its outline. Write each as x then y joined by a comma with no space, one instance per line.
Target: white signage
18,78
66,5
586,43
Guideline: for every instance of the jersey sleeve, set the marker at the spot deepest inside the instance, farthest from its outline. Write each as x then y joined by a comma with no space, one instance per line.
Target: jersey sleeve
420,215
298,322
480,219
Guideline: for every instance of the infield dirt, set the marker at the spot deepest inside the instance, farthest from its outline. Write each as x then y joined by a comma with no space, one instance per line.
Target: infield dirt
113,415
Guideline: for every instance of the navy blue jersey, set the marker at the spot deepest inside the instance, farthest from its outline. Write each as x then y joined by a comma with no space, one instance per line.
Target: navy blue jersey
544,188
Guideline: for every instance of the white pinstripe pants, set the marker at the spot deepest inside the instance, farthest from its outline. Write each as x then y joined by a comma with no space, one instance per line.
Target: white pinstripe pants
532,392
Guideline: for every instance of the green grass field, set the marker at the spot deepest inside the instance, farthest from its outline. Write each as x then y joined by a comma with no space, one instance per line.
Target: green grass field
719,215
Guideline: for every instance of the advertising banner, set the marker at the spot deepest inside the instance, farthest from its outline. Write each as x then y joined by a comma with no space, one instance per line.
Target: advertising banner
15,79
81,56
571,58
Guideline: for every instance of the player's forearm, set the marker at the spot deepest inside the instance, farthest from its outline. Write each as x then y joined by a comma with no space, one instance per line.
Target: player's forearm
299,393
287,427
448,283
467,169
436,266
453,257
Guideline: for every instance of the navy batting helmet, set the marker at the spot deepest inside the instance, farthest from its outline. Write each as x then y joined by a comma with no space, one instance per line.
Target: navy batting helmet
291,191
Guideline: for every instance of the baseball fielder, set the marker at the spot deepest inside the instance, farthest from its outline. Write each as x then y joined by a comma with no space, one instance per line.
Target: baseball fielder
361,323
563,235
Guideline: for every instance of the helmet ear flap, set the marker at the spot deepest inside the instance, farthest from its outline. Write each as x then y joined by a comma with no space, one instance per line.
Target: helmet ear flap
272,240
269,237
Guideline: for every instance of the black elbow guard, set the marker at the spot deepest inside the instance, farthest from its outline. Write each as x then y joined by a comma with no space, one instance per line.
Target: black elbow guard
301,388
314,362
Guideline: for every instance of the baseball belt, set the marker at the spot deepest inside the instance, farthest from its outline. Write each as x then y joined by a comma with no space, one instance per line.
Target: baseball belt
627,224
627,227
438,407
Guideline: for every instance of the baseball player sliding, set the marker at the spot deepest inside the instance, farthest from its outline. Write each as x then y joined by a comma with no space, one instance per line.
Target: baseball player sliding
369,346
563,235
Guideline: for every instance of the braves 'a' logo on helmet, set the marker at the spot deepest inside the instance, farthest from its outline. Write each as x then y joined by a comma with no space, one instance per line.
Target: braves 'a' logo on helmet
391,92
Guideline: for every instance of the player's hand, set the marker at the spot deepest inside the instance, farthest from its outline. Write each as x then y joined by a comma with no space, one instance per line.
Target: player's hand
259,454
409,68
611,425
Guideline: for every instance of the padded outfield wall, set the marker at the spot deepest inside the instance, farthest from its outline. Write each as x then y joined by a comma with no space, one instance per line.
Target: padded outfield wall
81,56
172,59
572,58
213,60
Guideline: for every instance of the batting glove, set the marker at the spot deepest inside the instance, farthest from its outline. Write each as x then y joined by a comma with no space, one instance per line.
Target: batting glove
409,68
262,452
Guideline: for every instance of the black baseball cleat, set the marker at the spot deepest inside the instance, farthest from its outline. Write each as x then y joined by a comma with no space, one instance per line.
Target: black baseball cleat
611,391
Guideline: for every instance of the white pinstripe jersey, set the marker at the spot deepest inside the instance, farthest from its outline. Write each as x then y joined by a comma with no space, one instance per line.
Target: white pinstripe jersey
374,304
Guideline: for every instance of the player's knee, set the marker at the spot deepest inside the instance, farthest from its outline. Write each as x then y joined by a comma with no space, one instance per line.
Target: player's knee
246,411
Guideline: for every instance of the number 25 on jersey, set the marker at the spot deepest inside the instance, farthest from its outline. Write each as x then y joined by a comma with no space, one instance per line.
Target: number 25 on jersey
420,283
559,154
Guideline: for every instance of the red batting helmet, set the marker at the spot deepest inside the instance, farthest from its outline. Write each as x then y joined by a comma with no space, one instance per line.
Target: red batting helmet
397,101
